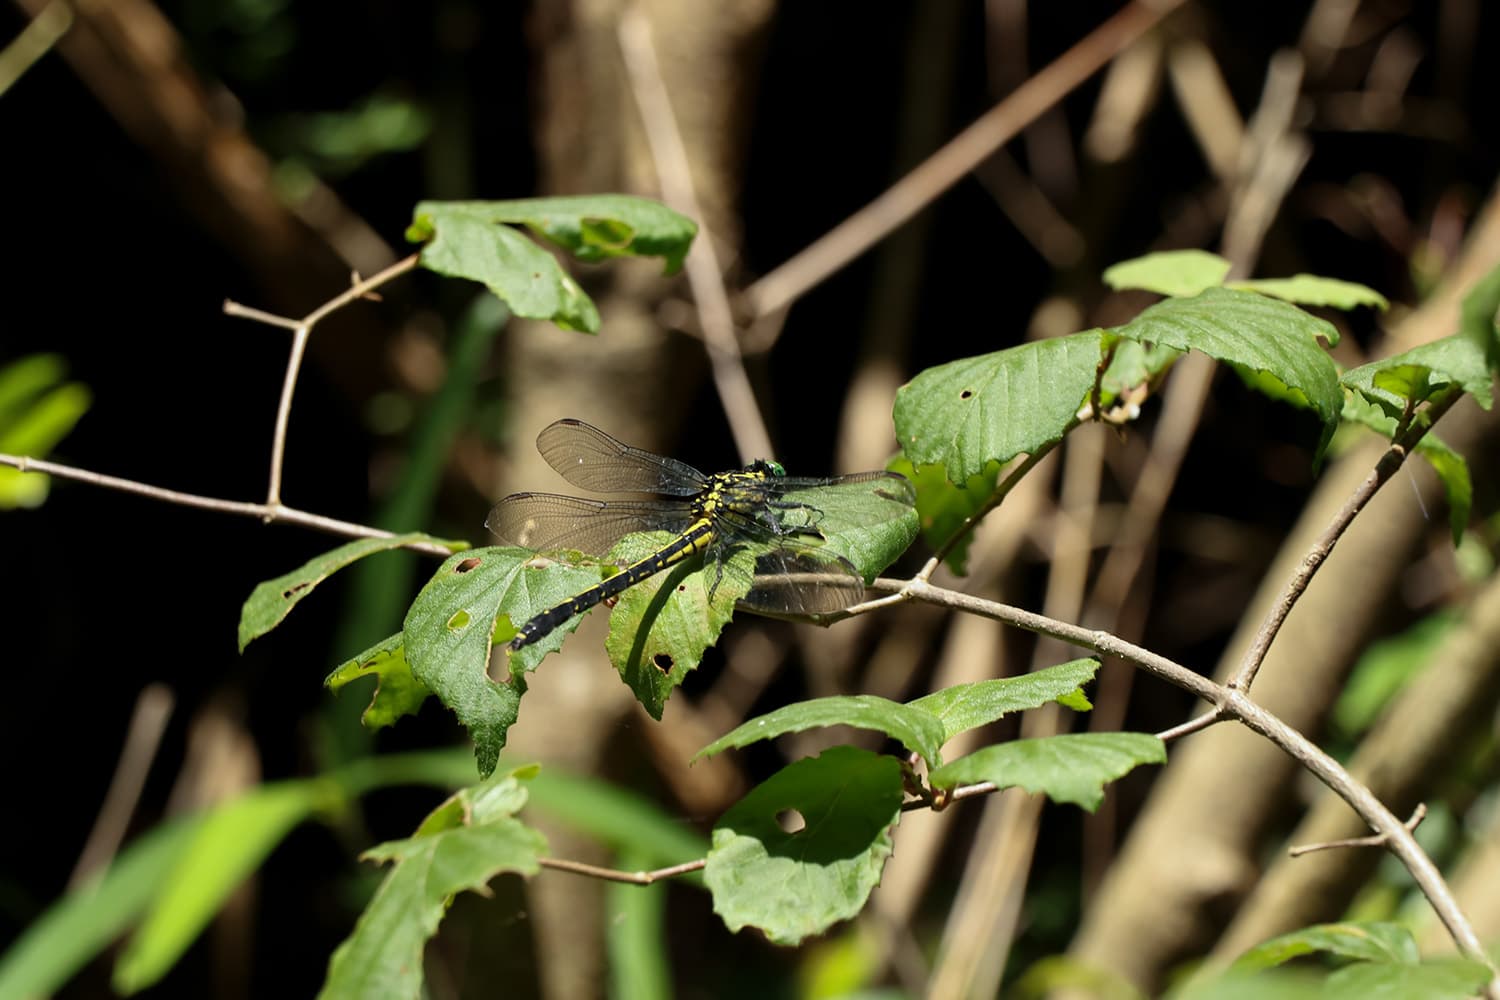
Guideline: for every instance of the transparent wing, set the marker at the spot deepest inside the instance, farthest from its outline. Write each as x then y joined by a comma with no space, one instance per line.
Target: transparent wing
547,521
586,456
796,580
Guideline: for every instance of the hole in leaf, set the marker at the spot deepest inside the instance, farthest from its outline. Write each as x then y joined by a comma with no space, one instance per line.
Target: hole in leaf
682,588
288,592
662,662
466,565
790,821
966,394
460,620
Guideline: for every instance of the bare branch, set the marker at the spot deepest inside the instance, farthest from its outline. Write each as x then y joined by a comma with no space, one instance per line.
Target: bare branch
613,875
1375,840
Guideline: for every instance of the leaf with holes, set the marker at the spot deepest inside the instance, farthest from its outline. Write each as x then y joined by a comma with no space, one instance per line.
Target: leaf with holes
660,627
795,884
1169,272
1266,337
270,602
969,413
451,625
396,693
1073,767
969,706
462,845
917,729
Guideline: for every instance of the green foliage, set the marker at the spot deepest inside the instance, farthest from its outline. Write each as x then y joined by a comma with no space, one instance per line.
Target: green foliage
396,693
944,506
229,844
1314,290
793,885
1384,958
272,600
1170,272
1384,669
1452,470
37,410
925,724
636,937
475,240
462,845
1073,767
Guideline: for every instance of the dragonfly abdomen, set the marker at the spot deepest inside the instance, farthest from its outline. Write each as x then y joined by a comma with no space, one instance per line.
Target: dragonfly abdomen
693,540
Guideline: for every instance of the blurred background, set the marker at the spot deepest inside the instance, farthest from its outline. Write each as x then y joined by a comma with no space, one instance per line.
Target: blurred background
161,158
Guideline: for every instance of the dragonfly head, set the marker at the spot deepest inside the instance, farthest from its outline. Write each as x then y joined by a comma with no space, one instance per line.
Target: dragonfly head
768,468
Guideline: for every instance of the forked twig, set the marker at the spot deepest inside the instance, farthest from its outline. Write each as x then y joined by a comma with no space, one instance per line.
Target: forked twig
1374,840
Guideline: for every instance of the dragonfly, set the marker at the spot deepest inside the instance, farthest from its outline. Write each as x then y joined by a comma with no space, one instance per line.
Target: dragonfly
758,507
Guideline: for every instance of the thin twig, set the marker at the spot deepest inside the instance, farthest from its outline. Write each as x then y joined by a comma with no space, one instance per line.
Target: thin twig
1232,704
1191,726
267,512
613,875
1389,462
1374,840
913,192
702,264
301,330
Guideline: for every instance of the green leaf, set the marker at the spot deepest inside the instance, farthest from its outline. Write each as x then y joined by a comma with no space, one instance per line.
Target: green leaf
969,706
969,413
1170,272
792,885
943,506
1134,367
1480,317
1384,669
230,843
868,523
1314,290
270,602
592,227
36,412
918,729
1450,980
1073,767
636,936
1282,984
1252,332
1417,374
521,274
1451,469
80,925
464,844
660,627
452,623
396,693
1365,942
1058,974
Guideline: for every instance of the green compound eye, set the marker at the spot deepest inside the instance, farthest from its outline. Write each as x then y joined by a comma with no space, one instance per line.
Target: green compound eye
777,469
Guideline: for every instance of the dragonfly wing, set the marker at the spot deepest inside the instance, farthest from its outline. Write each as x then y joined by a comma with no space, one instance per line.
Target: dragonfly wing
860,500
797,580
587,457
548,521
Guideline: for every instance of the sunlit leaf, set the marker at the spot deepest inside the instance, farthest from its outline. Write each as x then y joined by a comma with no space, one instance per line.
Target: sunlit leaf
969,706
396,693
1073,767
918,729
1169,272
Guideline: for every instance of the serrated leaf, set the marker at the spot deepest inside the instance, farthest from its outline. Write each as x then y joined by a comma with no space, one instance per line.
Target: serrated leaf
793,885
1451,469
1315,290
1073,767
1252,332
450,627
229,843
1458,979
396,693
1366,942
969,413
660,627
271,601
462,850
1416,374
80,925
1170,272
593,227
943,507
969,706
870,523
1134,366
918,729
528,279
